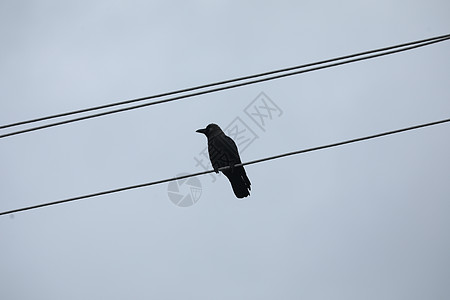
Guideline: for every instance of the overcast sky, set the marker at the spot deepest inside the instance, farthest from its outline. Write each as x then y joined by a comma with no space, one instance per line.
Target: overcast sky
361,221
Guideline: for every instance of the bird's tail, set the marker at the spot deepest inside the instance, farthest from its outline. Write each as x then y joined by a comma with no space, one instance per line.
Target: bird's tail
239,182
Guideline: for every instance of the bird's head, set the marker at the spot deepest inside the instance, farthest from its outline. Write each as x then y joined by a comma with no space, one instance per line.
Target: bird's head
210,130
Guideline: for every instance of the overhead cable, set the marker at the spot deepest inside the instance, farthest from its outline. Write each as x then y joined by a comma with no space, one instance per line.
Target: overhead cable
224,168
337,62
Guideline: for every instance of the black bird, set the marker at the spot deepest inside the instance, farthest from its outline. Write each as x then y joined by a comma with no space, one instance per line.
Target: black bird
224,152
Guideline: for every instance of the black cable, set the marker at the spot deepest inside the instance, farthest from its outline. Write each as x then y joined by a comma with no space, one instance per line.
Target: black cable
415,44
215,83
224,168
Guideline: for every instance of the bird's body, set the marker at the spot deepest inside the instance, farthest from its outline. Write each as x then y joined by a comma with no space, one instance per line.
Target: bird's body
224,152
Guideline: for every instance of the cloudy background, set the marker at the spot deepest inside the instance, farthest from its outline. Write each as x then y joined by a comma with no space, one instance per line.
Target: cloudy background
362,221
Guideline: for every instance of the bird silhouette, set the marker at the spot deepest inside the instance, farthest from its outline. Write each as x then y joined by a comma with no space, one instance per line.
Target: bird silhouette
224,152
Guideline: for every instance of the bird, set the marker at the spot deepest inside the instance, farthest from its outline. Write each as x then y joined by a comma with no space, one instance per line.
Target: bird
224,152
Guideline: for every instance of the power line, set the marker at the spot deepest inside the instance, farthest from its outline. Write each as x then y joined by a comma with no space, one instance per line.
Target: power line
410,46
217,83
224,168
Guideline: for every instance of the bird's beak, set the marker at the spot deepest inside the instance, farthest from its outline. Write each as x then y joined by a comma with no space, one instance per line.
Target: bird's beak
201,131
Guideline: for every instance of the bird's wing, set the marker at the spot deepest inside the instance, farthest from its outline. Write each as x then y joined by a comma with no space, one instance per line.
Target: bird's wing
231,146
230,149
223,151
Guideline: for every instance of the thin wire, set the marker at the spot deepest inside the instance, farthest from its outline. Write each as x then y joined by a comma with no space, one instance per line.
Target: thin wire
227,167
217,83
415,44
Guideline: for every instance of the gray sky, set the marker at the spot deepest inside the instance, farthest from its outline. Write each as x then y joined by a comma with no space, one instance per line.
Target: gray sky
362,221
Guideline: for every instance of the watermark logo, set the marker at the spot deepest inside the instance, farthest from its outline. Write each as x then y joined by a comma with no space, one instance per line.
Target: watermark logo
184,192
261,111
242,134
